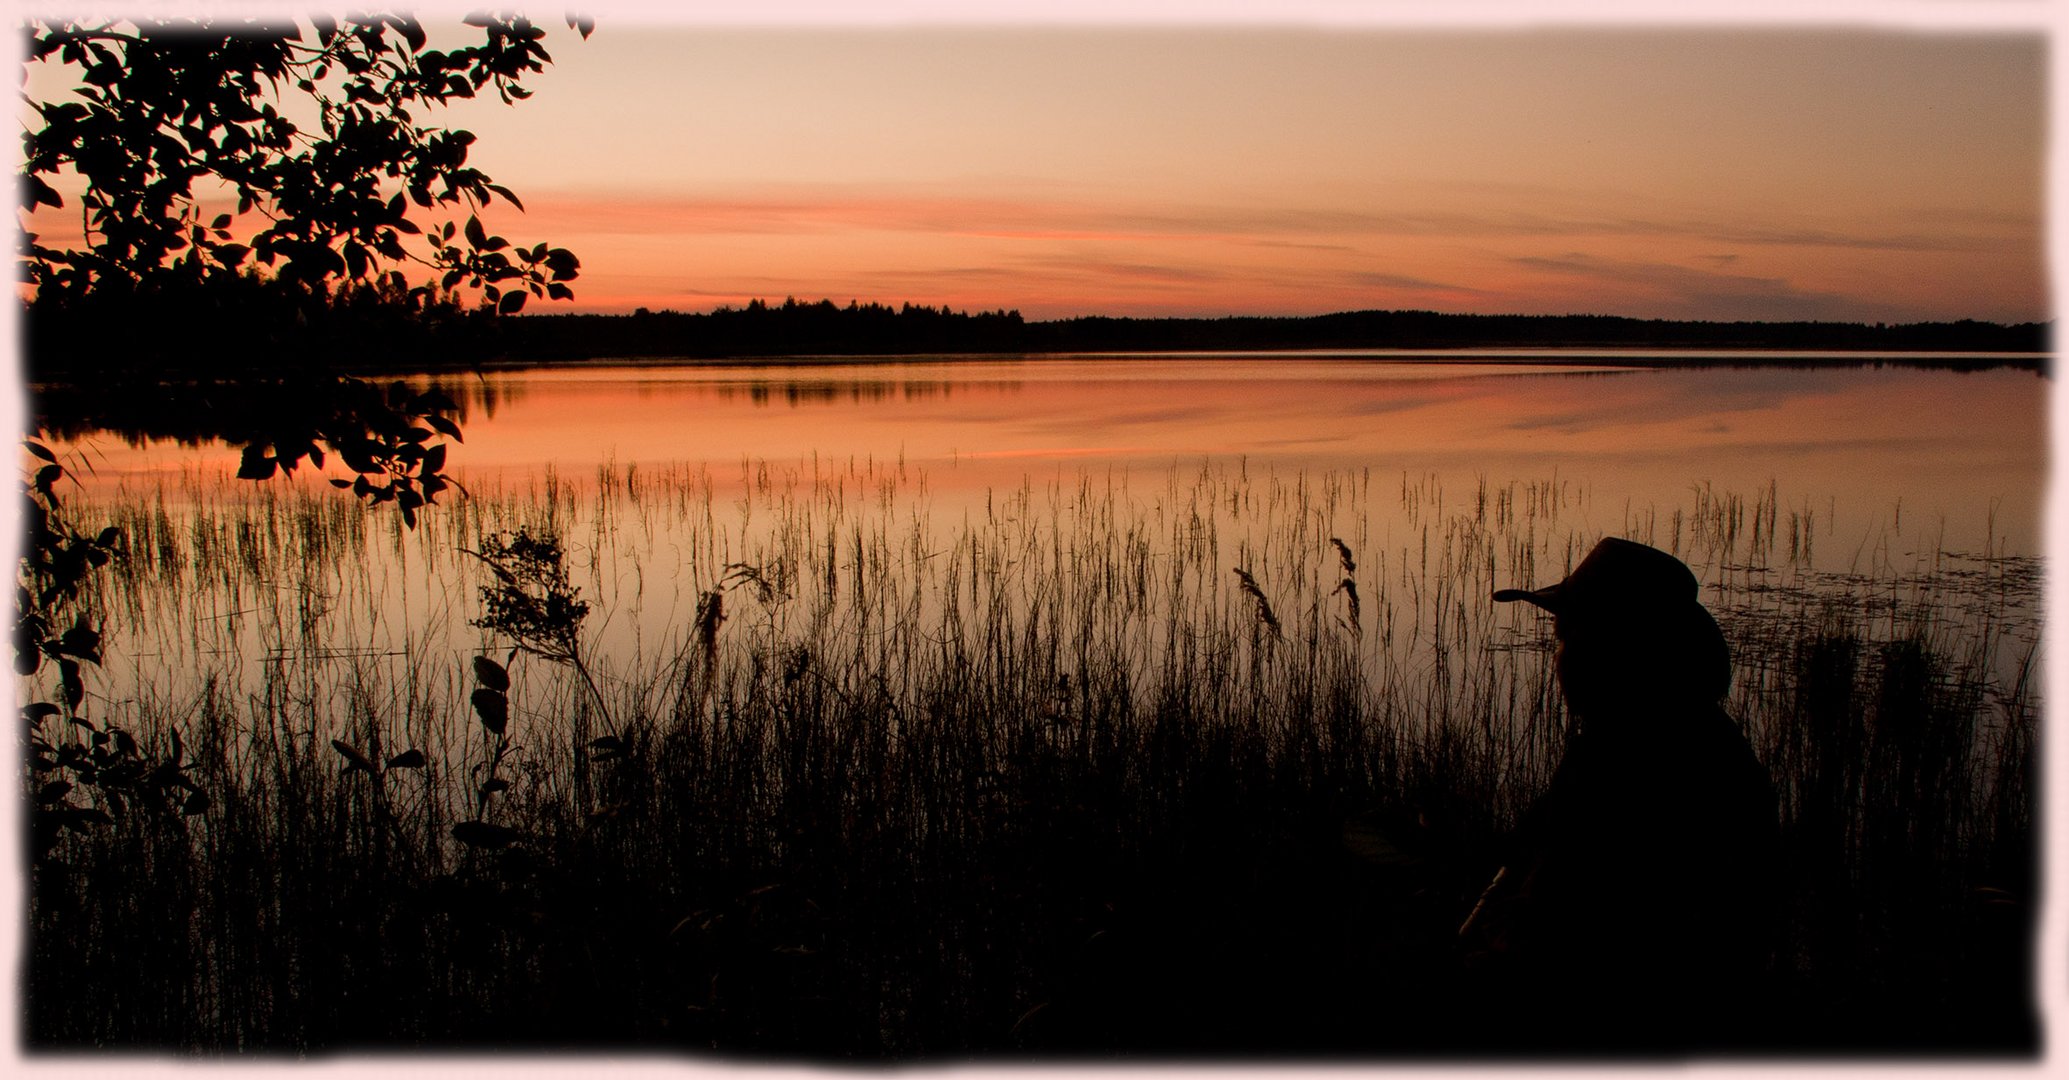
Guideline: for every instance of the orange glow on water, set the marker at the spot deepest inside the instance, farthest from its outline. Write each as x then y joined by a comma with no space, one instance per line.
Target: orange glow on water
1966,447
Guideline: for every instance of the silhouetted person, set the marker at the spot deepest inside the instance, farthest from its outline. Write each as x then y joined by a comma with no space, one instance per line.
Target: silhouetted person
1637,909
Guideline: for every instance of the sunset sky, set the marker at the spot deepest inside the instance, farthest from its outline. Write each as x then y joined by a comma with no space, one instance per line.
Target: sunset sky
1188,168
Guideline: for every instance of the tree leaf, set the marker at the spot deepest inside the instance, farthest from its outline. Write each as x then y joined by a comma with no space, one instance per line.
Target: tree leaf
412,32
493,708
408,759
353,758
445,427
491,674
255,465
82,641
68,683
37,193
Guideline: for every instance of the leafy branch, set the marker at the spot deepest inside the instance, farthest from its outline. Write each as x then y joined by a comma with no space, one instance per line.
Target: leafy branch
54,626
533,604
165,104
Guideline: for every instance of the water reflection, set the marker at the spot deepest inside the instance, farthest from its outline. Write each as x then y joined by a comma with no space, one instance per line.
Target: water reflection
1967,446
859,392
1045,563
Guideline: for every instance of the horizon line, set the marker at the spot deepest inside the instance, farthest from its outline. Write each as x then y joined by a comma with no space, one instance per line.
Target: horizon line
855,302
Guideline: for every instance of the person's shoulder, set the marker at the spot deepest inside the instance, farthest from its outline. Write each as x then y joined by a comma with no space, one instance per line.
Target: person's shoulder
1719,751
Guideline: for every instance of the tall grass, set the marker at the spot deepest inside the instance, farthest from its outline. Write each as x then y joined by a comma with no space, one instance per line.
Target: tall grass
1211,760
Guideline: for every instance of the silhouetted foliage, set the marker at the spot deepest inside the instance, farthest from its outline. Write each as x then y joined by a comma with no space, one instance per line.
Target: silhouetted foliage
1435,330
250,326
759,329
156,318
806,329
534,605
532,602
173,115
233,327
56,626
833,835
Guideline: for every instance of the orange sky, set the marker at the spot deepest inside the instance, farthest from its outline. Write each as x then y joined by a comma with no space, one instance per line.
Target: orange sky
1772,173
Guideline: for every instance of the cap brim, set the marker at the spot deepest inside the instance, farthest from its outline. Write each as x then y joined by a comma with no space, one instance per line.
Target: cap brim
1546,598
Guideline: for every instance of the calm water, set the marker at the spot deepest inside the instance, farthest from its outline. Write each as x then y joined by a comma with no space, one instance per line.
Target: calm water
660,477
1966,451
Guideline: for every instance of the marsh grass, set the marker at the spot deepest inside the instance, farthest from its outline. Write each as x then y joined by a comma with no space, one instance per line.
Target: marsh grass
1209,761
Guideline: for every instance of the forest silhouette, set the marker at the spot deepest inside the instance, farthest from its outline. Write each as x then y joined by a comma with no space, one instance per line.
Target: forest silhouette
795,328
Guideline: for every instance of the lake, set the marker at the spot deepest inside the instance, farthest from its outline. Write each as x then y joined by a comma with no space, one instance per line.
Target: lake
891,686
1967,448
1880,468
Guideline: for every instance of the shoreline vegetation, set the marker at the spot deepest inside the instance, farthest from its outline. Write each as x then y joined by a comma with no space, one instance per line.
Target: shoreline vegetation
1206,767
796,328
1205,770
266,329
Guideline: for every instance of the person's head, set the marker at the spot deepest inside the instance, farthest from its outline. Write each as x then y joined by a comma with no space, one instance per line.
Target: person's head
1632,630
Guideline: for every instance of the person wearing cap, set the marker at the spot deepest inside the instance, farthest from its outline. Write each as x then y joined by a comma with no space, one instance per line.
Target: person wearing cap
1637,908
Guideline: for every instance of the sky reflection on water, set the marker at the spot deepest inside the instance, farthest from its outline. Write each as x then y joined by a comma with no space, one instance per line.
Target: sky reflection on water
1882,470
1966,447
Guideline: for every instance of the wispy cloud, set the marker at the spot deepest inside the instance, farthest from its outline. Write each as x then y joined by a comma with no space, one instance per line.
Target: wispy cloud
1402,281
1055,250
837,209
1690,292
1129,270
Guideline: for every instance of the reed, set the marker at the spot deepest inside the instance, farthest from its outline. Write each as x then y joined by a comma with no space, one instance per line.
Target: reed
1215,759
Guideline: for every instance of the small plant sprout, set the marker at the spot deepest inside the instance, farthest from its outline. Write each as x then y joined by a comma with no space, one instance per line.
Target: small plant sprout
535,605
492,706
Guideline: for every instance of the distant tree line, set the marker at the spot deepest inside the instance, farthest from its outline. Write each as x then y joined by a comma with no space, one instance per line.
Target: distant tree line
250,325
791,328
822,328
1434,330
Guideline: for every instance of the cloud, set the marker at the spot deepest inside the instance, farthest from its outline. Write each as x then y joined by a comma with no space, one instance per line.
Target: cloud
1809,237
1293,245
1690,292
1080,266
1402,281
835,208
1049,250
1025,275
